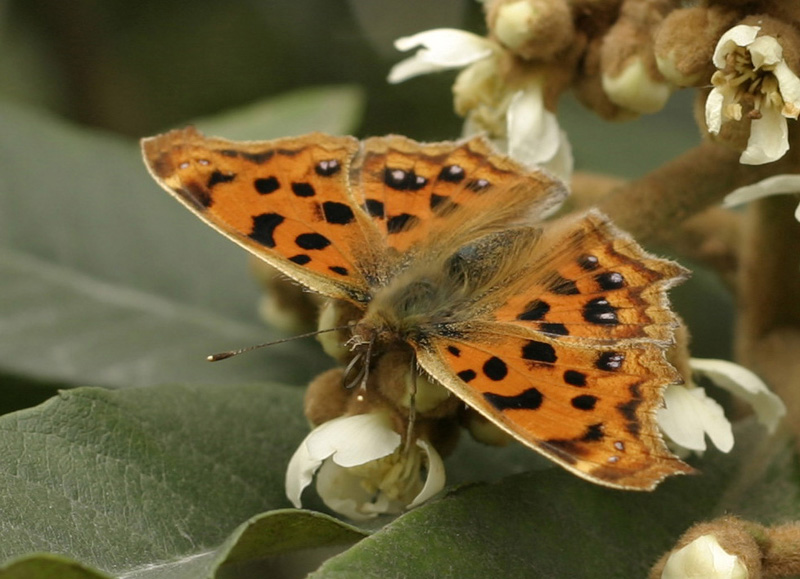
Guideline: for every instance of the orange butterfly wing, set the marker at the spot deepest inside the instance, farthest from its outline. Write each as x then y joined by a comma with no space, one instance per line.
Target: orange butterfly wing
287,201
415,191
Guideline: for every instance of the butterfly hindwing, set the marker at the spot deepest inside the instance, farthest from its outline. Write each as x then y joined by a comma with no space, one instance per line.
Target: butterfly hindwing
590,410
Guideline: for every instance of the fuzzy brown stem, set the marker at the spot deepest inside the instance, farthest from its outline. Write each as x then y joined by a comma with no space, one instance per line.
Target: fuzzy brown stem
782,555
768,336
653,208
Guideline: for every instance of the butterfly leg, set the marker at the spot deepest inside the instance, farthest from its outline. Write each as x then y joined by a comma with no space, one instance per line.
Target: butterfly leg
412,407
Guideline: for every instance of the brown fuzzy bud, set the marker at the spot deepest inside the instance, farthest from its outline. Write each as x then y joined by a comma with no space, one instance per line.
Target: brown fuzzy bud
325,398
730,534
532,29
630,76
684,43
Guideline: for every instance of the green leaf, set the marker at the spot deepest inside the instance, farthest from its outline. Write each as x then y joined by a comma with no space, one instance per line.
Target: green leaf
130,480
46,566
59,325
552,524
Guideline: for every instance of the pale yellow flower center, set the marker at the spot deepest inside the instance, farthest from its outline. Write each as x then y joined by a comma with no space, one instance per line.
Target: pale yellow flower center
398,476
757,88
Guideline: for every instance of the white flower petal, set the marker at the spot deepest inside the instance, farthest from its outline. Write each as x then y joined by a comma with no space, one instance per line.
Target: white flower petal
769,138
353,440
746,385
300,473
765,51
690,415
411,67
533,132
797,213
789,86
775,185
448,46
436,475
703,558
740,35
714,106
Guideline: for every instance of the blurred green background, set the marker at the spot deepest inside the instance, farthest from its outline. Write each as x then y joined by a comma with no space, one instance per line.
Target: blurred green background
140,67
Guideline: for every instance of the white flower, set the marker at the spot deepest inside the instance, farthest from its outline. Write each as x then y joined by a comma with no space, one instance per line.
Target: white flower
514,117
362,469
746,386
703,558
752,68
690,414
775,185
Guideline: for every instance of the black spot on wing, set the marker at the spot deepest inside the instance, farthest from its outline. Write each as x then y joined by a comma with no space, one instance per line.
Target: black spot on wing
374,208
338,269
303,189
467,375
593,433
610,280
495,369
598,311
534,310
563,286
327,168
454,351
575,378
266,185
554,329
337,213
584,402
258,158
452,174
219,177
312,241
609,361
401,222
402,180
264,226
535,351
530,399
588,262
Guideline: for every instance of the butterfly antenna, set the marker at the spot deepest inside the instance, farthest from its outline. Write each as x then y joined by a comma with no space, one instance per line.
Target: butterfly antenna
412,406
232,353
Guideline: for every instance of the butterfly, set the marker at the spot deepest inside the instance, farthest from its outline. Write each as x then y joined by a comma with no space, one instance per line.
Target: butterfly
556,332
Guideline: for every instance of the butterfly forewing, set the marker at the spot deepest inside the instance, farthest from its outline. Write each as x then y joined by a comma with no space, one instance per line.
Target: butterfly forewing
588,282
287,201
415,192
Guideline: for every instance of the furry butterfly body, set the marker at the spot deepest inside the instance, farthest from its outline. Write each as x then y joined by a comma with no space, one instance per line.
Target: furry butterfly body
555,332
